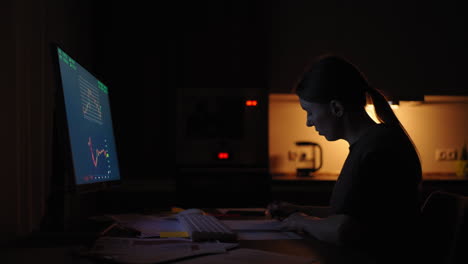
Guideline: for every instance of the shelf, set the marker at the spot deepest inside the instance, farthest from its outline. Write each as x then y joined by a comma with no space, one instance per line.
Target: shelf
427,176
314,177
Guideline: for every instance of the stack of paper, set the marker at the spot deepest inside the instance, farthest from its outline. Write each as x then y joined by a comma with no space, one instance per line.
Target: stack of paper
136,250
151,226
268,229
247,255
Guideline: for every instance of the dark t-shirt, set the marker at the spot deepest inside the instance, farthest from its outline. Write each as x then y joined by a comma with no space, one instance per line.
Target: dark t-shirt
379,186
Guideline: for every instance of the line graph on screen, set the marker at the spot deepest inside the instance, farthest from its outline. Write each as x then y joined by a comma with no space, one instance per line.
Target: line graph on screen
96,154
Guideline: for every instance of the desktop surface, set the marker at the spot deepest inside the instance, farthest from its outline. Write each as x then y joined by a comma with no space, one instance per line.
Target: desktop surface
64,248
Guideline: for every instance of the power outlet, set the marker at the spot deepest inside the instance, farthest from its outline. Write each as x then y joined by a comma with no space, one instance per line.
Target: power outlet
446,154
451,154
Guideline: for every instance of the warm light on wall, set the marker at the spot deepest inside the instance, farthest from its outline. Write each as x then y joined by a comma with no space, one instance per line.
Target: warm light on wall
437,122
370,109
393,106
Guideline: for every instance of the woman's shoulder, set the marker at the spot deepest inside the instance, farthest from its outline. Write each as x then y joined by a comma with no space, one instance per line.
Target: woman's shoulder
383,136
385,129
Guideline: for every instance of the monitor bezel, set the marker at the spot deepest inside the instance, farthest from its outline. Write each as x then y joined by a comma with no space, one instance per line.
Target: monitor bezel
63,155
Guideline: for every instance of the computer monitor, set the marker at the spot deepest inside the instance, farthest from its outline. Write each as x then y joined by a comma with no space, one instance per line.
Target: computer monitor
87,121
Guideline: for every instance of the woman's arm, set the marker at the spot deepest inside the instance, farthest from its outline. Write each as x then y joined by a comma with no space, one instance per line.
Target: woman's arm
318,211
284,209
335,229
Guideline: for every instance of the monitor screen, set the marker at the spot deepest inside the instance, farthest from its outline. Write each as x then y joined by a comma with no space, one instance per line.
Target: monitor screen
89,122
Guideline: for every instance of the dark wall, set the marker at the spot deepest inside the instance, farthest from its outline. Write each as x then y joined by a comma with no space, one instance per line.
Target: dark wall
8,131
149,52
28,86
405,48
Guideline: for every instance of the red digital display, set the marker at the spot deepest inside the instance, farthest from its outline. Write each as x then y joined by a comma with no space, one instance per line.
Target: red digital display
223,155
251,103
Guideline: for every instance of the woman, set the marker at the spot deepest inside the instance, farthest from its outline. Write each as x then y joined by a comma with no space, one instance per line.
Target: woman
376,198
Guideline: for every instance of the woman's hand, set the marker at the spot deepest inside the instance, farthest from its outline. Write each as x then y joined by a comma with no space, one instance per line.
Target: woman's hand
336,229
297,222
281,209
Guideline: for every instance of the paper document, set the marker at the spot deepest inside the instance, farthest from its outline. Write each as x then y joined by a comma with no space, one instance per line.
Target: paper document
134,250
260,211
268,229
266,235
150,226
254,225
126,218
246,255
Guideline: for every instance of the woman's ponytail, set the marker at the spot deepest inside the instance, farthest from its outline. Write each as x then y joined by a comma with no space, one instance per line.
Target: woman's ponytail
384,112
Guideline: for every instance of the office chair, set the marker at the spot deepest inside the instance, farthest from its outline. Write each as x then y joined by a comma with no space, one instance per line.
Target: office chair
444,228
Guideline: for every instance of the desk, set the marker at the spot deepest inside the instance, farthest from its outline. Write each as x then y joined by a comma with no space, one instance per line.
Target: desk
59,248
309,247
306,247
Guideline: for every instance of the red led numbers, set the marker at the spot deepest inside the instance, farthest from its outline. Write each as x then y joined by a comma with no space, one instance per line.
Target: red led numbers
251,103
223,155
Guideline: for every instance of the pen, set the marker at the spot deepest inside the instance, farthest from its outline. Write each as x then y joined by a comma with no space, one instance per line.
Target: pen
108,228
127,228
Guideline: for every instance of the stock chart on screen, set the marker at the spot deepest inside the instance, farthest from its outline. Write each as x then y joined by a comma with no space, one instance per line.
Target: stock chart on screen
89,123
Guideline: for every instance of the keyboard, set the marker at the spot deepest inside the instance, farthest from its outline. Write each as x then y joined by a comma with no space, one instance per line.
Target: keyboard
203,227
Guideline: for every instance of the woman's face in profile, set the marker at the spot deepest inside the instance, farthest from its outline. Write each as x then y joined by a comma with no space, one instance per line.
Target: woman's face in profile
320,117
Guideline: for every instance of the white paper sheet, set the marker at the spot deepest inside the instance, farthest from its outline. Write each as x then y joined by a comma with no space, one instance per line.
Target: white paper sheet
261,235
225,210
254,225
268,229
126,218
147,225
246,255
142,251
